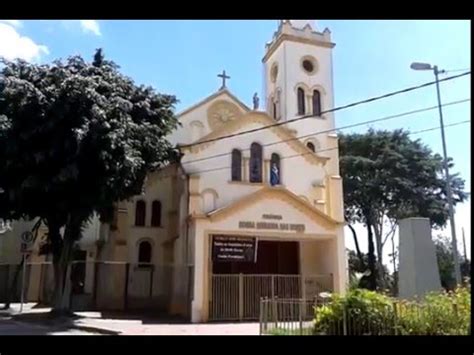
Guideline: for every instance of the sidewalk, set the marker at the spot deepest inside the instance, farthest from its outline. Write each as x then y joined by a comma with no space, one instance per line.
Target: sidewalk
96,323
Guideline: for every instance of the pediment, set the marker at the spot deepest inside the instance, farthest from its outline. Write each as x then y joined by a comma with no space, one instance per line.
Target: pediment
220,95
274,209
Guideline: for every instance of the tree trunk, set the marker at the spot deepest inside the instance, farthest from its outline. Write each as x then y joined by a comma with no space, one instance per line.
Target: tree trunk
380,268
56,241
356,243
378,245
60,307
395,275
372,284
71,234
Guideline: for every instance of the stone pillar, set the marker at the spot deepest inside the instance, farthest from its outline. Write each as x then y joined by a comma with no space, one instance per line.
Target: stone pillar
335,199
195,201
266,171
418,267
90,266
341,269
245,170
198,306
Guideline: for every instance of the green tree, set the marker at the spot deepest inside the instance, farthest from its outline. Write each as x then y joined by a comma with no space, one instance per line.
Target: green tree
359,275
386,177
75,138
444,254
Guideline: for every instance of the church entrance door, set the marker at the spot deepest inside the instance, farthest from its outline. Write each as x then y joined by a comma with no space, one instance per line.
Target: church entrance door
237,287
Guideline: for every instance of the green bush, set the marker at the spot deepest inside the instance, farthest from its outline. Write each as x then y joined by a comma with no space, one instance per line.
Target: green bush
363,312
359,312
442,313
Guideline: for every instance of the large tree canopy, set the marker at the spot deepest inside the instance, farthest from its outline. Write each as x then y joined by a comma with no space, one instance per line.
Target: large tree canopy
76,137
386,177
79,134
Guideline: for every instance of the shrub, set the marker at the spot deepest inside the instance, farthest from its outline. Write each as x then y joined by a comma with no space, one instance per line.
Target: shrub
359,312
441,313
363,312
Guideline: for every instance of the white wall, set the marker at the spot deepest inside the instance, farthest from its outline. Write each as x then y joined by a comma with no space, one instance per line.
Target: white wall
297,174
197,117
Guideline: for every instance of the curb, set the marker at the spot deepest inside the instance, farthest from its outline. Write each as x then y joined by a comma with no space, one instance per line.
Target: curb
90,329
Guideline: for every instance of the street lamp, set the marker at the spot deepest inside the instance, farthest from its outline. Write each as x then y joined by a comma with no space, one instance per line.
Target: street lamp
426,66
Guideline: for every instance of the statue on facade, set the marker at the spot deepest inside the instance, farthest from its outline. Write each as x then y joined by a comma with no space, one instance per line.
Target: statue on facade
275,175
256,101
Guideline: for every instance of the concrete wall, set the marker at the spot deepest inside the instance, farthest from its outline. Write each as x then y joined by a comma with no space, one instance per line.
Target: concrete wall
309,257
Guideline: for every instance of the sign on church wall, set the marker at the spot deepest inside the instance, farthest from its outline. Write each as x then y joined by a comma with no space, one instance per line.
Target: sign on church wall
272,225
234,249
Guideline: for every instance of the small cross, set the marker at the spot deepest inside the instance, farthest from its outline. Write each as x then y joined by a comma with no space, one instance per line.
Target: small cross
223,76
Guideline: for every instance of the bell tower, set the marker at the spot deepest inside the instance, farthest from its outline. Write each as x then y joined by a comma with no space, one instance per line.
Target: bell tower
298,75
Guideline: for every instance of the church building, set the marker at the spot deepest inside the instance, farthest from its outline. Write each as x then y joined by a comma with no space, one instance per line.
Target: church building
255,206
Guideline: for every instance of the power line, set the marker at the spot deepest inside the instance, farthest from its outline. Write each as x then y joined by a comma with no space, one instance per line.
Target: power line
334,148
407,113
357,103
411,133
438,127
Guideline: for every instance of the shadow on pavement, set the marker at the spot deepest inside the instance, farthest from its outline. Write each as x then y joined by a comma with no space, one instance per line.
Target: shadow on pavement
47,323
145,317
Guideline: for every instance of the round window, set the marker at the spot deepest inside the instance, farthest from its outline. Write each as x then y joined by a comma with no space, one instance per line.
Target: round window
309,64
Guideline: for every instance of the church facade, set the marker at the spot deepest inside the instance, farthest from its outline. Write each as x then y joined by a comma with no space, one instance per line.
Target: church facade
257,193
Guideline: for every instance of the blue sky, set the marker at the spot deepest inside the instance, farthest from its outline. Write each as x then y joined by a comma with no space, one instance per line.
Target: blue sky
370,58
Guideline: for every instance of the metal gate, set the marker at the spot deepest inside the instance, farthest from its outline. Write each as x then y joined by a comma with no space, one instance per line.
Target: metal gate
237,296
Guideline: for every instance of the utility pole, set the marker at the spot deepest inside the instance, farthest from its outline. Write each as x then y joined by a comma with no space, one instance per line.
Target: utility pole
449,193
464,244
457,268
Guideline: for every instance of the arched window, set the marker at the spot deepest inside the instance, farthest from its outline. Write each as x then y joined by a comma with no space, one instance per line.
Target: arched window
236,165
310,146
255,162
316,103
144,252
156,213
140,213
301,98
275,172
274,113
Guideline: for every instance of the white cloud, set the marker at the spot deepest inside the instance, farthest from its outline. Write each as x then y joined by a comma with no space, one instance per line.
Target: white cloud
90,26
14,23
13,45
